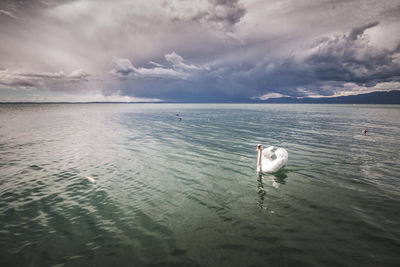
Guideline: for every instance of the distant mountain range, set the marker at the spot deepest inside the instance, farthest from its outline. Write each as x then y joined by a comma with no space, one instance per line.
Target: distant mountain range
391,97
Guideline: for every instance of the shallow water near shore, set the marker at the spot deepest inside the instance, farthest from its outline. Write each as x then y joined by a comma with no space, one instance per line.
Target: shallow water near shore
170,192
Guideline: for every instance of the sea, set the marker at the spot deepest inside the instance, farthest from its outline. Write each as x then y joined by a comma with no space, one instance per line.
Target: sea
176,185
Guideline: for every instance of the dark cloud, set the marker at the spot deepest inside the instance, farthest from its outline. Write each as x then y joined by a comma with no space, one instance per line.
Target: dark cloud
326,67
122,67
323,68
351,58
357,32
220,13
225,12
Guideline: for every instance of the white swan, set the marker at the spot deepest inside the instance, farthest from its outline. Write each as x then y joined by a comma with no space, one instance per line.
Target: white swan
269,160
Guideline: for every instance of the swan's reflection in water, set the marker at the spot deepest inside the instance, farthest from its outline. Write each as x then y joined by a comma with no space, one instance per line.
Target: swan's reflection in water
264,183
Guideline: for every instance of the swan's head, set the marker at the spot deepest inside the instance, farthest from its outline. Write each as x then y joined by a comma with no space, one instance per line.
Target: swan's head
259,147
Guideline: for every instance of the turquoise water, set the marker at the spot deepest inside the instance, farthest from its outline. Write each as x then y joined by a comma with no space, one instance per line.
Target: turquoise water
186,193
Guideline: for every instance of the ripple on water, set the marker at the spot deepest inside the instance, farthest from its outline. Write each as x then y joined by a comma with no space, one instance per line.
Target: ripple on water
171,192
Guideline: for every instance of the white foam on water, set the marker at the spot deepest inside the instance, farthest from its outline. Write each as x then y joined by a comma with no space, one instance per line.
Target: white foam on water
90,179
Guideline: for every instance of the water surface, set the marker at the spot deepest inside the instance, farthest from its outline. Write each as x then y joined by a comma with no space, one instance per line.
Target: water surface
186,193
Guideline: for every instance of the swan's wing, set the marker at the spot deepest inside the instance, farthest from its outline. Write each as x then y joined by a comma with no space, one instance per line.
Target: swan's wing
281,153
281,156
267,152
266,164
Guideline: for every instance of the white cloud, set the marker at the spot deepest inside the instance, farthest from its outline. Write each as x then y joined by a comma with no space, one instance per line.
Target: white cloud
78,74
161,73
123,67
8,13
355,89
178,62
271,95
22,79
347,89
155,64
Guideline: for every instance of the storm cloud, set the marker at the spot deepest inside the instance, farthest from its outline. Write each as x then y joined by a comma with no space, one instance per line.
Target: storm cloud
220,13
328,64
205,50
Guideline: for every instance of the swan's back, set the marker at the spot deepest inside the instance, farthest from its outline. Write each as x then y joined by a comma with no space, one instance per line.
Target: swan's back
281,153
267,152
273,165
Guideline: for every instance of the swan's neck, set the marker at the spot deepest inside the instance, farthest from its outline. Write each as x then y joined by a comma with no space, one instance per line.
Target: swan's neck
259,167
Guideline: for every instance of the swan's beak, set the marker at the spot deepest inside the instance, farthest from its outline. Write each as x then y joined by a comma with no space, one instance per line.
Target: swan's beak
258,147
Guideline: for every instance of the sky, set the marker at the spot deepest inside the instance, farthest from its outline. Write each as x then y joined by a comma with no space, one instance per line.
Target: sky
196,50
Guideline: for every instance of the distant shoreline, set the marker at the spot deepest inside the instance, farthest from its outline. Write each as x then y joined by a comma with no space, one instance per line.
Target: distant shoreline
374,98
272,103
